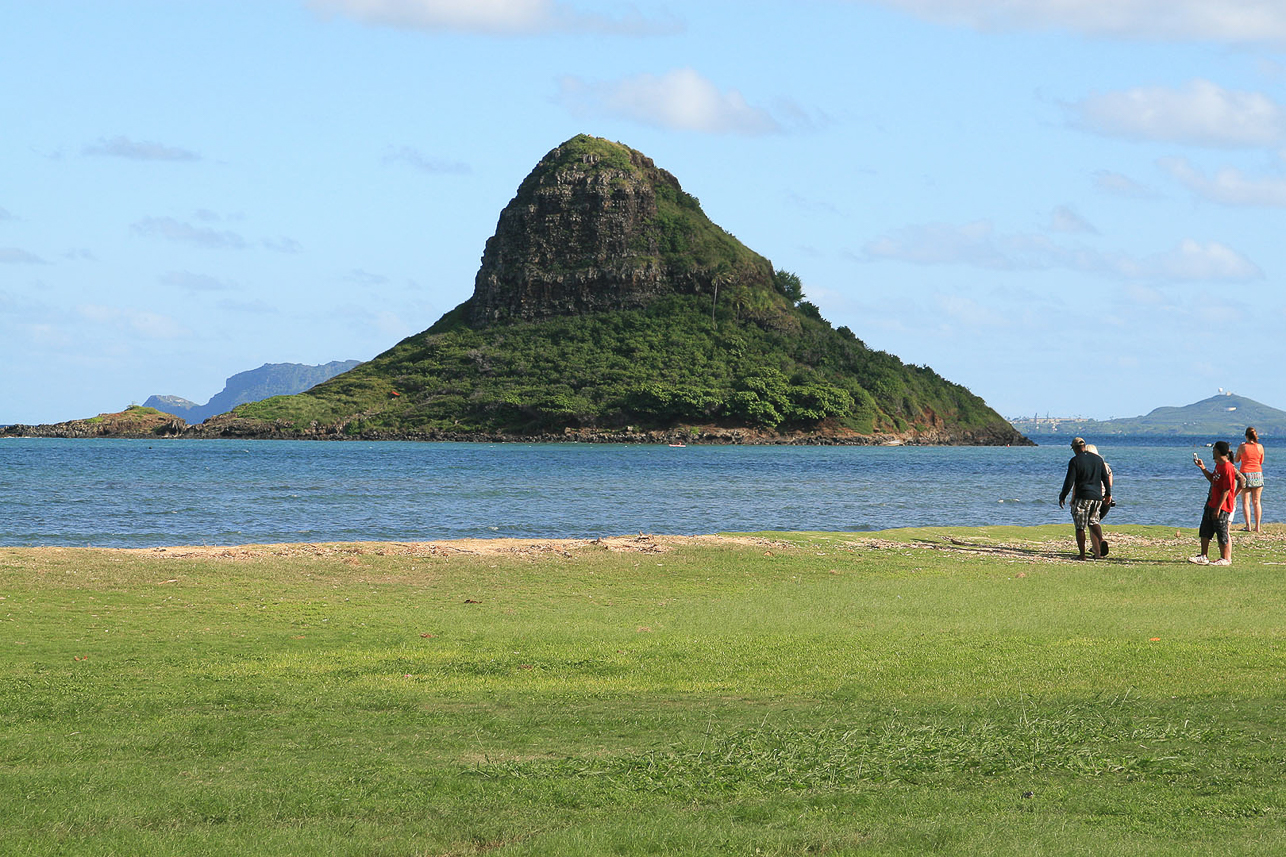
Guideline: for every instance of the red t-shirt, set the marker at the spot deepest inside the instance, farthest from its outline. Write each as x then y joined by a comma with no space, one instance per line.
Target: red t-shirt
1225,480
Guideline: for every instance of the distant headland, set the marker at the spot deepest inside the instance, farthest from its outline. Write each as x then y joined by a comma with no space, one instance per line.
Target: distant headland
608,307
254,385
1224,416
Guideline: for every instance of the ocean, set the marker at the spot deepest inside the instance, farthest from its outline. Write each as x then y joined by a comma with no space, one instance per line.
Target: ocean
141,493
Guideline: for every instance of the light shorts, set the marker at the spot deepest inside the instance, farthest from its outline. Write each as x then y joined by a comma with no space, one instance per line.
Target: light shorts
1254,480
1085,513
1214,524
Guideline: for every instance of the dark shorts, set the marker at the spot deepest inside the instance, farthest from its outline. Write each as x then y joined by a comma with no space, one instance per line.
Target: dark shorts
1214,523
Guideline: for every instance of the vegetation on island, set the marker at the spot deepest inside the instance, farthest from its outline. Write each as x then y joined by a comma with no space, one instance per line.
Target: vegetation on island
679,324
757,362
929,691
609,306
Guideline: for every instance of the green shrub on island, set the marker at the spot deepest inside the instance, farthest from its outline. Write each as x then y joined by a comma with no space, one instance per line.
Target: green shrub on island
606,299
668,364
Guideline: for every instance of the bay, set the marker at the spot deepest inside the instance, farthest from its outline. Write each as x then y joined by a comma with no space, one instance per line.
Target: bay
140,493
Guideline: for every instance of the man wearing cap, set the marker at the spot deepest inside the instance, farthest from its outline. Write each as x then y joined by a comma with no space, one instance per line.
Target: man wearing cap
1090,487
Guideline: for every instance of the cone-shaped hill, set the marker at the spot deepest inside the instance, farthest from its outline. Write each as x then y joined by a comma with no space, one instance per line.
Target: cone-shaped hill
608,306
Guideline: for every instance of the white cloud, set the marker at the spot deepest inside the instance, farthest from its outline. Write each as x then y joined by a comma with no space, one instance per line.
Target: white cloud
185,233
1225,21
492,17
977,244
1228,186
1064,219
283,245
194,282
16,256
1201,113
425,163
252,307
1122,185
124,147
1195,261
680,100
146,325
967,311
365,278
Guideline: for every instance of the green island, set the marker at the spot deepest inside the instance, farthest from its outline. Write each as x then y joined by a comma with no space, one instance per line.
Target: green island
608,307
950,690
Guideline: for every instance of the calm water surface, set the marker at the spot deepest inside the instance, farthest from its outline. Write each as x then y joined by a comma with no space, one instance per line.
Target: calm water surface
138,493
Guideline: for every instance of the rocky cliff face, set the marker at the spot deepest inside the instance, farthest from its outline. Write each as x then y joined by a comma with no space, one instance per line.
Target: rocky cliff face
597,226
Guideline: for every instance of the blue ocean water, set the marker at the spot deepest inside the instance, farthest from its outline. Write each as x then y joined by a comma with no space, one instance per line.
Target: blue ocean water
140,493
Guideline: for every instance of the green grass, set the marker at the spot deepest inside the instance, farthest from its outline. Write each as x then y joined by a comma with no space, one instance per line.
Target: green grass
916,691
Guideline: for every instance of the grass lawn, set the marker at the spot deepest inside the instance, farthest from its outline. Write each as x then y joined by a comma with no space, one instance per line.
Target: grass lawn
955,691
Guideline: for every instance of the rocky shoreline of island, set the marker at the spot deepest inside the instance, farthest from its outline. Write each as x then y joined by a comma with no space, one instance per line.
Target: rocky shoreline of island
141,423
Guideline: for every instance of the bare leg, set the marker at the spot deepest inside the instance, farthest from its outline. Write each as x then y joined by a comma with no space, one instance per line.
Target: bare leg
1205,546
1245,507
1225,550
1259,509
1080,542
1097,532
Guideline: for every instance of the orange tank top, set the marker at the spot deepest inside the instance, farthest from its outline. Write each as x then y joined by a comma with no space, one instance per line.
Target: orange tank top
1251,458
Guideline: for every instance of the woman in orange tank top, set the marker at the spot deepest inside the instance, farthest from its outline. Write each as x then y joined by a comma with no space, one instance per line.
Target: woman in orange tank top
1250,461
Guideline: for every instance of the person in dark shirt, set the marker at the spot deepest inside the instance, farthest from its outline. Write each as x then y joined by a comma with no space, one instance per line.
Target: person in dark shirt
1090,486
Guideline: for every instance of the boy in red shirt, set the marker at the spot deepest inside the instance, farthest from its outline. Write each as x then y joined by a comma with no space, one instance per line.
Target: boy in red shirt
1219,506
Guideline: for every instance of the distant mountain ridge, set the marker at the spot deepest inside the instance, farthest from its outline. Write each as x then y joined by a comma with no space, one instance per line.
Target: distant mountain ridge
1224,416
253,385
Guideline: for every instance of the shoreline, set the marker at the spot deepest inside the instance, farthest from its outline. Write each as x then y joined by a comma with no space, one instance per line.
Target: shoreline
165,427
962,539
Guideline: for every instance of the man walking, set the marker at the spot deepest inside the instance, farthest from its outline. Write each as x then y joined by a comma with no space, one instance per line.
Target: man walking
1090,487
1219,505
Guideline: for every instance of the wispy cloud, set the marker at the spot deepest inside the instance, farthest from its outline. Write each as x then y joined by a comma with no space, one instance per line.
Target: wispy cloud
426,163
16,256
494,17
965,310
195,282
681,99
1223,21
185,233
140,323
252,307
1064,219
365,278
1228,186
978,245
124,147
1201,113
5,215
282,245
1122,185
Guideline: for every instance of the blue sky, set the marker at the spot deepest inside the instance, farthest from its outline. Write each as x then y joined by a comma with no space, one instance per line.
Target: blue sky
1070,207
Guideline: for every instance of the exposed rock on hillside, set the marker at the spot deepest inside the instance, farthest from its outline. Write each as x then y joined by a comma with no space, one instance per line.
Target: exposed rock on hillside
599,228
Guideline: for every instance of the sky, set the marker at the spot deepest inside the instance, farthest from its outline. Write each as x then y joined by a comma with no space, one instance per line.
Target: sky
1071,207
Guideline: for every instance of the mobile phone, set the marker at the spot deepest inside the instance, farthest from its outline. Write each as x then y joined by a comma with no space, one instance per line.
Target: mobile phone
1195,458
